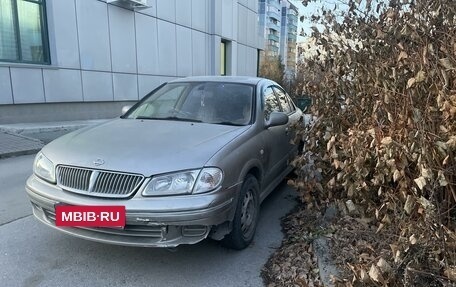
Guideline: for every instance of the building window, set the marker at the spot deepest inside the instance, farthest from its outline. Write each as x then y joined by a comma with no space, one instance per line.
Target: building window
23,32
223,58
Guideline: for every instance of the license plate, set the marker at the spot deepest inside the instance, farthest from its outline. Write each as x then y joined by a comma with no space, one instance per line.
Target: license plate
91,216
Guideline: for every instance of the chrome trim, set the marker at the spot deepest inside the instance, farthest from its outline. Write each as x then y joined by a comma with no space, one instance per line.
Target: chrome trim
99,183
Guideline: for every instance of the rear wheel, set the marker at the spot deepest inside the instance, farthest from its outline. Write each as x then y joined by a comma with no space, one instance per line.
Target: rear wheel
246,216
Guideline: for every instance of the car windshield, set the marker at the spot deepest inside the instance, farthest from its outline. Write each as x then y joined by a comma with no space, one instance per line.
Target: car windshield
207,102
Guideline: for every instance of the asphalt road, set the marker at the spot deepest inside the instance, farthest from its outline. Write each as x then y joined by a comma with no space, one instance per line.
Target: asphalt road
32,254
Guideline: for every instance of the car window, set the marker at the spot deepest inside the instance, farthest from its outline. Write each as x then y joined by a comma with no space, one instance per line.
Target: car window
287,107
208,102
270,102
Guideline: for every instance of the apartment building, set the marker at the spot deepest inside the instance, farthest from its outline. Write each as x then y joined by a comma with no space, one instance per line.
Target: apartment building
278,24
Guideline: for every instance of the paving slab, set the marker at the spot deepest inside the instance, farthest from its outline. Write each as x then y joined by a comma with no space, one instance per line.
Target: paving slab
14,145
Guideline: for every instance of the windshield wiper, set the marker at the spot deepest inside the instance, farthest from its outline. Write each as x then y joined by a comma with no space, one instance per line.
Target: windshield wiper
227,124
172,118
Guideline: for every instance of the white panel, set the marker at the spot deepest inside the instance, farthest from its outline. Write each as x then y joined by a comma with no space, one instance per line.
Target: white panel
27,85
251,62
251,31
218,17
199,53
184,51
152,11
199,14
227,19
125,87
166,48
6,96
147,47
122,32
251,4
166,10
243,2
93,35
210,55
147,84
217,55
183,13
234,58
62,85
242,24
241,66
65,33
97,86
235,20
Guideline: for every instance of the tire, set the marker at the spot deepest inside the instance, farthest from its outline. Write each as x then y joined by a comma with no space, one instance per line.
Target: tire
246,216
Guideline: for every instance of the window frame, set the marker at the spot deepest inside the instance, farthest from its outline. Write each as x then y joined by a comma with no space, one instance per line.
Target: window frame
44,34
287,99
263,101
224,44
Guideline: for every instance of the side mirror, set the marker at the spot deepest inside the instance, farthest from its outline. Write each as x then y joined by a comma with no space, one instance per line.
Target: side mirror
125,109
277,119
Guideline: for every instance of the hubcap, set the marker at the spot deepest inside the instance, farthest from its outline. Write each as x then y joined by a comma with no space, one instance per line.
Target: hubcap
248,214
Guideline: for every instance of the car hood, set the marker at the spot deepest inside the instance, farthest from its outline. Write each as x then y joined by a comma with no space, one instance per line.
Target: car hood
142,146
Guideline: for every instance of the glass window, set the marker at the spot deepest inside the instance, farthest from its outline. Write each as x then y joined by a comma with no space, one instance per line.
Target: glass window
223,58
208,102
23,35
270,102
287,107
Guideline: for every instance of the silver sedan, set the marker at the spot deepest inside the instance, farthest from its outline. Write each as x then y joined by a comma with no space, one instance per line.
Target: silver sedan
193,159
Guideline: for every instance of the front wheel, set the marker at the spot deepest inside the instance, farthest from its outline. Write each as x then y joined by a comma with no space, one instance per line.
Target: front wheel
246,216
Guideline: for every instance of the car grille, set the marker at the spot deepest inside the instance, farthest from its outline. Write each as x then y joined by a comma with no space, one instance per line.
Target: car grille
97,183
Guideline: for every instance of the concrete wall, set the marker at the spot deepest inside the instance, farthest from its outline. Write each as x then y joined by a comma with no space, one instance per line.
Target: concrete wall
104,53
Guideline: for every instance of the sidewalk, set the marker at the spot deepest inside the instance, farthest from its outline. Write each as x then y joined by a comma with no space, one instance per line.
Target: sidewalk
29,138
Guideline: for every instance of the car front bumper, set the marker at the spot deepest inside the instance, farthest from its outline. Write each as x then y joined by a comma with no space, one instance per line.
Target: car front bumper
150,221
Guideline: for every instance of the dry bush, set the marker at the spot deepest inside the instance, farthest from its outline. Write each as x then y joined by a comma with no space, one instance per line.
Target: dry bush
384,98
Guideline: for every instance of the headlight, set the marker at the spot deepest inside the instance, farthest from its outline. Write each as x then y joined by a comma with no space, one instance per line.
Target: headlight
44,168
209,179
184,182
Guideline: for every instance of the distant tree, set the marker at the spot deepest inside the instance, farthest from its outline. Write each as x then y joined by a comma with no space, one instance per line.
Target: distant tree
271,67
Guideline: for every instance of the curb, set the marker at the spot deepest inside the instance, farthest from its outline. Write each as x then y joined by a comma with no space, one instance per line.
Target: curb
19,153
50,127
322,250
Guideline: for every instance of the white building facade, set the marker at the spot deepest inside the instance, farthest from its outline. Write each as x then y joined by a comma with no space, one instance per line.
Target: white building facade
81,59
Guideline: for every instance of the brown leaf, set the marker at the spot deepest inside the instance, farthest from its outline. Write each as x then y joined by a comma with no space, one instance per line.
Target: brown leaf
447,63
450,272
420,181
387,141
409,204
374,274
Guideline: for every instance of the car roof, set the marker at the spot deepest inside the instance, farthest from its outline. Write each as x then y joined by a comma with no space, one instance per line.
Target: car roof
225,79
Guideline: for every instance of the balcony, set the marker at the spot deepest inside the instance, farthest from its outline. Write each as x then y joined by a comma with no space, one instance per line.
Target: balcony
274,15
292,25
273,48
274,26
292,37
273,37
275,3
292,16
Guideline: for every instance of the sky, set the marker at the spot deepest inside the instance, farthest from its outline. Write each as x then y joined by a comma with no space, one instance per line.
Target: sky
312,8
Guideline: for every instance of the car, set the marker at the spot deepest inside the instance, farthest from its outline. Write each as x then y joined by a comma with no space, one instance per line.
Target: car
193,159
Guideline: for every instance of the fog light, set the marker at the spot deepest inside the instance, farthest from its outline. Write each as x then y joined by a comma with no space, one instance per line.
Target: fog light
194,230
